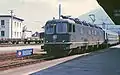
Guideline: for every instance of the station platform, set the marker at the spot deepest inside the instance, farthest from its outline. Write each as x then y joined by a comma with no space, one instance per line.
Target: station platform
26,70
105,62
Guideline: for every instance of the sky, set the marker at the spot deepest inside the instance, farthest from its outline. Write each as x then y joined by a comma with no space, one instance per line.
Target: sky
36,12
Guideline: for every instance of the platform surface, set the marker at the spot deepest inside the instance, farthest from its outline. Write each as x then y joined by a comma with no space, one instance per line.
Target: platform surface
102,63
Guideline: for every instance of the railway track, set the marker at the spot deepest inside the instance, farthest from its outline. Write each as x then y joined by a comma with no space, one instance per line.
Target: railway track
12,45
8,61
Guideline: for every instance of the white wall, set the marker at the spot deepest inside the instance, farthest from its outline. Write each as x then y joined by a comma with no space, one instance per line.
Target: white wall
28,34
5,28
15,28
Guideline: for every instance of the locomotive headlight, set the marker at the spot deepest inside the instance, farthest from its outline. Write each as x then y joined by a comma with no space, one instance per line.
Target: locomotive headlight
47,41
67,48
63,41
54,37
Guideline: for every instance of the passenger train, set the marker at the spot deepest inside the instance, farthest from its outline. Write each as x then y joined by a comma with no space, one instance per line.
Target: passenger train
111,37
68,35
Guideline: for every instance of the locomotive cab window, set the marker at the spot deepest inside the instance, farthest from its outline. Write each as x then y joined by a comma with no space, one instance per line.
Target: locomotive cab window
69,27
73,27
49,28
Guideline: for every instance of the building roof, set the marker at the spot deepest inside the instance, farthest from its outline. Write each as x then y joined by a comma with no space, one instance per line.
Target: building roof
112,9
13,17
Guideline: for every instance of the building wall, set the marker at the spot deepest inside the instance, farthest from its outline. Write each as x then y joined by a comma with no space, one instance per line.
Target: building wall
16,28
27,34
4,27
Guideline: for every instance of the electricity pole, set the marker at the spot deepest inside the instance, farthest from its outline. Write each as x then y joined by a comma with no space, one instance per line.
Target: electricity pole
11,12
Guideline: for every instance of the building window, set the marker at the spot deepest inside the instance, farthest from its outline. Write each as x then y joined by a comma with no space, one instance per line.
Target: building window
15,34
2,22
20,34
15,24
20,25
69,27
2,33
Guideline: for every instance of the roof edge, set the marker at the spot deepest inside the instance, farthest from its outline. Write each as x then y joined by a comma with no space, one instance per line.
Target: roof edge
13,17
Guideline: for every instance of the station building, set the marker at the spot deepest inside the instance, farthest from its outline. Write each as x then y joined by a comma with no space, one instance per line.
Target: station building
10,27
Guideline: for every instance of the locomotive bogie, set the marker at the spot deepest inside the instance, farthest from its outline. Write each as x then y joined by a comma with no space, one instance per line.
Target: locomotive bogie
57,49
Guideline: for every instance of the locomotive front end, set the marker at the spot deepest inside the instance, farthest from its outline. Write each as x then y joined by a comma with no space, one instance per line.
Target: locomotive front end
57,38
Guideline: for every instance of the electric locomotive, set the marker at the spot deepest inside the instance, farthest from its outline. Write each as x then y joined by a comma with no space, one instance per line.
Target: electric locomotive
68,35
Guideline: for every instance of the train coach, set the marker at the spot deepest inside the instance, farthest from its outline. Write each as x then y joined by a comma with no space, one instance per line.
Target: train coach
112,38
66,36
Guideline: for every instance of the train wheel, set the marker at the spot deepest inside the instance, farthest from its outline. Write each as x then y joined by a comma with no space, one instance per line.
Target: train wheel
24,42
83,49
74,51
35,42
69,52
89,49
28,42
13,42
79,50
17,42
39,42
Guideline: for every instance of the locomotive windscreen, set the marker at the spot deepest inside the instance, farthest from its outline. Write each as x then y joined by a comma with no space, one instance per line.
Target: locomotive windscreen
49,28
61,28
57,27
